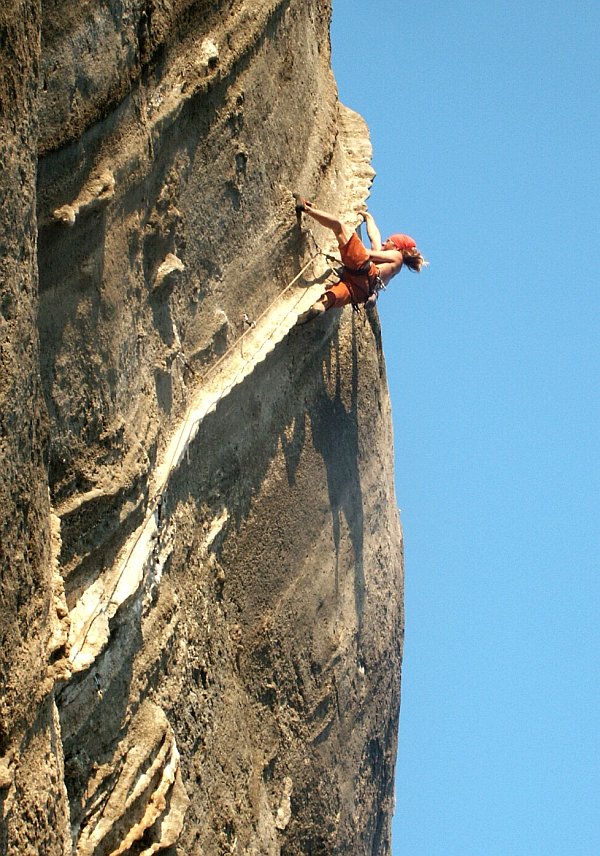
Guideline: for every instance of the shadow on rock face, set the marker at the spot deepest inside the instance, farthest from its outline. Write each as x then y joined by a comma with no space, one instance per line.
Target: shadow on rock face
71,275
305,390
335,435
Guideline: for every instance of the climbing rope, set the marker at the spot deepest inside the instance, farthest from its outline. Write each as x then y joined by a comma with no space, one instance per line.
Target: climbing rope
156,503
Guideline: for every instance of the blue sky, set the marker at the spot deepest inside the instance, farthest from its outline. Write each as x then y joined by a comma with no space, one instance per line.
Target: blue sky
485,126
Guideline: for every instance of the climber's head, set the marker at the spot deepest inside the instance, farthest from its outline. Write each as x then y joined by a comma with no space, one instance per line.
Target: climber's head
411,257
402,242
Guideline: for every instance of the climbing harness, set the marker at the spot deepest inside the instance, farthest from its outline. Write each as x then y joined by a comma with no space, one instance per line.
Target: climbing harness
374,282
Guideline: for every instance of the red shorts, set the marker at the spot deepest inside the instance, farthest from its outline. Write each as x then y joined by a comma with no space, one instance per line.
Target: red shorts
353,288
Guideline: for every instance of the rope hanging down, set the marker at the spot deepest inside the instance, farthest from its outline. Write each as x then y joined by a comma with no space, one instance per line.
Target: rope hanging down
157,498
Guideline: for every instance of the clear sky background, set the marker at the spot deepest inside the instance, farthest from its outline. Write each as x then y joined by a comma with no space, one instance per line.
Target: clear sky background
485,124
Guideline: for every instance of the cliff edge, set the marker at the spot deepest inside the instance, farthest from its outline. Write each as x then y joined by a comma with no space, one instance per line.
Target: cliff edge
201,592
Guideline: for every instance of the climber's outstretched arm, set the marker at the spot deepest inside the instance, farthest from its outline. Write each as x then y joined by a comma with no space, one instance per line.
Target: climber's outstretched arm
372,231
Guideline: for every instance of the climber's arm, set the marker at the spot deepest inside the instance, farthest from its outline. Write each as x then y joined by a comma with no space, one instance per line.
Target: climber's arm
372,231
392,257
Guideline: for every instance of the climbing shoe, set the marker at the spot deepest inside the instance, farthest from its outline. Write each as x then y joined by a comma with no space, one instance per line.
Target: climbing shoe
314,311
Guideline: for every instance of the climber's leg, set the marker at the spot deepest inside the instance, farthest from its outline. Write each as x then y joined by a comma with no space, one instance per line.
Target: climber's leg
342,232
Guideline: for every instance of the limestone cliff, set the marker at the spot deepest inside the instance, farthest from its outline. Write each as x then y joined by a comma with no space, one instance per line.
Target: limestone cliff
201,593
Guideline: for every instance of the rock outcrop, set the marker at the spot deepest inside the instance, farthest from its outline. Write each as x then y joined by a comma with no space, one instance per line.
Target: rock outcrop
201,592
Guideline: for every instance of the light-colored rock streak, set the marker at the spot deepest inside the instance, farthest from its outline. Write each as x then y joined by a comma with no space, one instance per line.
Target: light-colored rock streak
147,550
239,361
145,553
156,804
147,799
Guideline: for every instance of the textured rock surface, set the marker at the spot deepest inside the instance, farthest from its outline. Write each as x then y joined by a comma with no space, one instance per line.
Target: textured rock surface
222,514
33,809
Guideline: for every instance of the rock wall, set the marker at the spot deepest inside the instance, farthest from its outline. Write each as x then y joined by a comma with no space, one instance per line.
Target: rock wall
202,641
33,807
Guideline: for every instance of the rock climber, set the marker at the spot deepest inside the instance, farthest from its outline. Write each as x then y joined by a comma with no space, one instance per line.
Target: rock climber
364,273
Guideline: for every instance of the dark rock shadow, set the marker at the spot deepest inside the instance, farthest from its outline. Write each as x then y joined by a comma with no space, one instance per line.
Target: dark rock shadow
372,318
227,462
335,436
323,279
292,447
71,270
164,389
